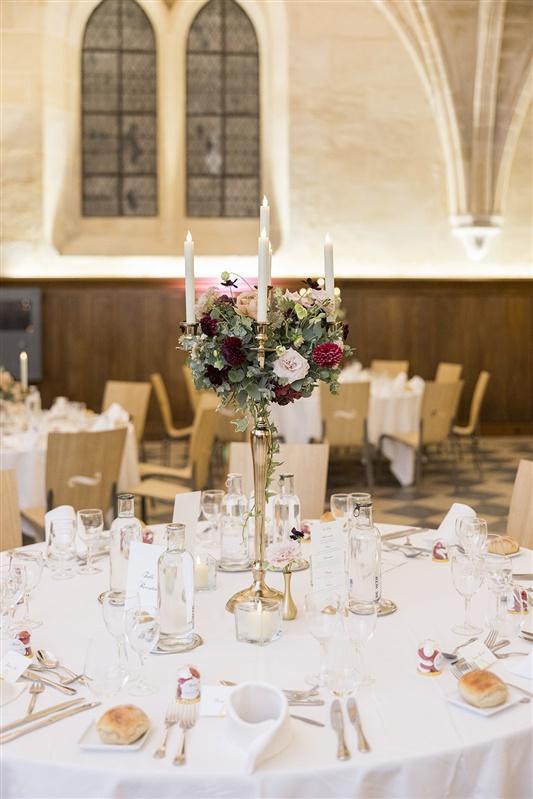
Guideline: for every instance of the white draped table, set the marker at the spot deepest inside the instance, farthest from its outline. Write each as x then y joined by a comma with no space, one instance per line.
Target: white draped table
422,746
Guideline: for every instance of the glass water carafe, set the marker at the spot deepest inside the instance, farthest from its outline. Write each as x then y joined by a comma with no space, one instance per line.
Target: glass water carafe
364,553
176,589
270,520
124,530
286,508
234,553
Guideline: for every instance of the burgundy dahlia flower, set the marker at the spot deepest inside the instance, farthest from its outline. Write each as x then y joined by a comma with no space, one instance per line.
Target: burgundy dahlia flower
283,395
232,351
216,376
327,355
209,325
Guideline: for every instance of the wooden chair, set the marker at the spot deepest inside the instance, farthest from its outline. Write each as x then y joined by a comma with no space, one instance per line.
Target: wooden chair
389,368
344,419
448,372
81,470
308,463
520,521
10,528
162,483
224,430
133,397
439,407
471,430
172,433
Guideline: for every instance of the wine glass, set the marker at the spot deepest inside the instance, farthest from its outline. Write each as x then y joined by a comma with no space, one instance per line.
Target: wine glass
12,587
61,551
467,574
32,562
212,510
114,607
499,578
341,674
90,528
104,667
340,505
142,630
322,614
360,625
471,532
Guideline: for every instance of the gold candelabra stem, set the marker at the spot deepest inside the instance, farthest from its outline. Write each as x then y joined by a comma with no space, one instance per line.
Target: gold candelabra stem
261,337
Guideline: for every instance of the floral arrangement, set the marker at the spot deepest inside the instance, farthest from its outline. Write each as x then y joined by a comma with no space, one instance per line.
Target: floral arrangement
10,390
302,349
283,555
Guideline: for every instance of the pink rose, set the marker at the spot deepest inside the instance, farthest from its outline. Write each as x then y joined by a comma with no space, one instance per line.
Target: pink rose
247,304
290,366
281,555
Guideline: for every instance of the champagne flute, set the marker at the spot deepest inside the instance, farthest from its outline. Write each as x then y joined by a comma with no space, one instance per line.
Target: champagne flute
142,630
322,614
467,574
360,625
90,528
61,551
32,561
212,510
471,533
114,612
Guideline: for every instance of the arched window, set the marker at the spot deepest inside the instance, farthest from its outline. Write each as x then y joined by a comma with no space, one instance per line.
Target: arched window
222,113
119,139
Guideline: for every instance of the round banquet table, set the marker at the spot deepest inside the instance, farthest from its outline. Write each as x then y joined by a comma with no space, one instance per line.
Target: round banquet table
422,746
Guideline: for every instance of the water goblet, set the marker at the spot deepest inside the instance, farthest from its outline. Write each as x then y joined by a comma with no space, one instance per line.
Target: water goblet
322,614
341,673
61,551
90,528
104,667
12,587
142,631
498,578
212,510
114,606
32,562
471,532
467,574
360,625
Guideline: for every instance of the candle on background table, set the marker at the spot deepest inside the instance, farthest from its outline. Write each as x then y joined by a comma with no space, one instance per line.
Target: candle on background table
328,271
269,263
263,277
23,360
201,574
188,251
264,216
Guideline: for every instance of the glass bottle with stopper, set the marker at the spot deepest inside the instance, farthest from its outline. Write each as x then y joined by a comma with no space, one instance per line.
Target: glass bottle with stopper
176,594
234,552
286,508
125,529
364,554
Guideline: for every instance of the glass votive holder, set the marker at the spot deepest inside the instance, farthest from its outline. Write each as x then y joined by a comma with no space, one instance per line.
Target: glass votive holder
258,621
205,572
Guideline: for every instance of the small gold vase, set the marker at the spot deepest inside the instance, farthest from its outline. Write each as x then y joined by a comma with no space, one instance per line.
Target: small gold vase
290,611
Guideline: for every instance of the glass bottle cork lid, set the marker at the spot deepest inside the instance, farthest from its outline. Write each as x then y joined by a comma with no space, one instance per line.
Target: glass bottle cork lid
234,483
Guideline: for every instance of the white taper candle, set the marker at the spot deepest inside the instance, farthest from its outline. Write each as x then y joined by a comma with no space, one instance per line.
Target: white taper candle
328,273
264,216
263,277
23,360
188,251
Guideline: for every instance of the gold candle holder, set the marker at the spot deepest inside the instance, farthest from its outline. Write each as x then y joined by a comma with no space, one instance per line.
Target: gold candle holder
261,337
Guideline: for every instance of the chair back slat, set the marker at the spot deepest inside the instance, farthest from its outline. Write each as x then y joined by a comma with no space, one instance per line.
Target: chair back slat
344,413
82,468
439,406
202,438
192,392
133,397
477,399
163,401
520,521
10,526
308,463
389,368
448,372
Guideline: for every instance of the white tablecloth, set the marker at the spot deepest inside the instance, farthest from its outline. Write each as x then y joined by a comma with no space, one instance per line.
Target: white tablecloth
422,746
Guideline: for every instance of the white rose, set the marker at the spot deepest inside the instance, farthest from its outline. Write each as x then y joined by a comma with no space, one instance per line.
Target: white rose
290,366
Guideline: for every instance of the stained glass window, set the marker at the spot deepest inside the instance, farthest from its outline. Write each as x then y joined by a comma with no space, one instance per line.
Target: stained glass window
222,113
119,118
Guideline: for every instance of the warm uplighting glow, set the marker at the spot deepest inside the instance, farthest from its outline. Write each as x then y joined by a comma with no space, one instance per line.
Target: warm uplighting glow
265,201
188,237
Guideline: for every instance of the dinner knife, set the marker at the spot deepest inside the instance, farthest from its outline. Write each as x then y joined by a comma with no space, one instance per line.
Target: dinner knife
337,722
307,721
353,715
306,702
527,576
37,675
40,714
11,736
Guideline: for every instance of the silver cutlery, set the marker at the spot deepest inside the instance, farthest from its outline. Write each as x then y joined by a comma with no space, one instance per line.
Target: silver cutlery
453,654
187,720
305,702
32,675
40,714
459,671
11,736
307,721
353,715
527,576
36,688
50,662
171,718
337,722
503,655
293,694
404,533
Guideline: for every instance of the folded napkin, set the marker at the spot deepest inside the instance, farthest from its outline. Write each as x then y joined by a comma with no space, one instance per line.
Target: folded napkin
416,384
521,666
60,513
258,722
398,383
446,529
351,373
114,416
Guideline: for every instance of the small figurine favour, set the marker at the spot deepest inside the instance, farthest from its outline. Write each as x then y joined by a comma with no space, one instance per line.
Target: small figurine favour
440,552
21,644
188,688
517,600
429,658
148,536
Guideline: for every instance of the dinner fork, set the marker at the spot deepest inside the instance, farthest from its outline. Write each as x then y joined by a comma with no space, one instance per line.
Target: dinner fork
36,688
187,719
171,718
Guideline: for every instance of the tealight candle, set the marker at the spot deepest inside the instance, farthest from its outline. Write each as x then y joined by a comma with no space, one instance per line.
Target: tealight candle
258,622
201,574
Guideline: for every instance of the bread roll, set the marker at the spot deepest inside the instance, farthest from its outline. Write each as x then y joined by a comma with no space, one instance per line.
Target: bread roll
327,517
502,545
482,689
122,724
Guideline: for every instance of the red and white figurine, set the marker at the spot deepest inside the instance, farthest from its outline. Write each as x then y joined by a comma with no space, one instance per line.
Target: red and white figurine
429,658
517,600
440,552
188,688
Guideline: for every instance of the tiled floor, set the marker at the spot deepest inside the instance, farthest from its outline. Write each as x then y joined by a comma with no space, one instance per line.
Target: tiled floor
488,492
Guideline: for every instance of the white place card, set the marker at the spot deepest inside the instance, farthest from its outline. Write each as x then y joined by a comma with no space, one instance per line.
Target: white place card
478,655
328,557
142,572
12,666
187,512
213,700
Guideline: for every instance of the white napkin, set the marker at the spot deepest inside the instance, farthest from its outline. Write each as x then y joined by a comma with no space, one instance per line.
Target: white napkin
114,416
446,529
398,383
416,384
60,513
521,666
258,722
351,373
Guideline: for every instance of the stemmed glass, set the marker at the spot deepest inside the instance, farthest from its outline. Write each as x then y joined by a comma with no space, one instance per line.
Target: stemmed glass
142,630
341,508
61,551
471,533
32,562
360,625
114,611
322,614
212,510
499,578
12,587
341,674
90,528
104,667
467,574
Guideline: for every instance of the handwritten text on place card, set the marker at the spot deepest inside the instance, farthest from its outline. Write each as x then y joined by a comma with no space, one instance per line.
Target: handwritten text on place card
142,572
12,666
